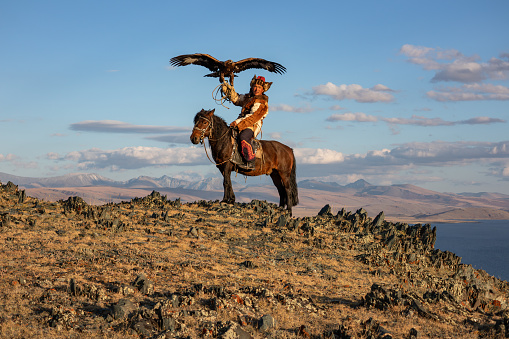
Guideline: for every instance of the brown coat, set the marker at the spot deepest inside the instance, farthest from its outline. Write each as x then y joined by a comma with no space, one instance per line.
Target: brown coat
254,110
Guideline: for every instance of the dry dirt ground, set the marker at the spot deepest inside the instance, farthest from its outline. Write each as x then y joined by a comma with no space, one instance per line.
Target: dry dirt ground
156,268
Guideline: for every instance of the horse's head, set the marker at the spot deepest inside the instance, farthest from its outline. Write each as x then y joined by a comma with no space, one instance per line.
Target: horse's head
202,126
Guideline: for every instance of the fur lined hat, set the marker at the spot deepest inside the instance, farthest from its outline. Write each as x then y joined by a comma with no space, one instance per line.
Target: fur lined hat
260,81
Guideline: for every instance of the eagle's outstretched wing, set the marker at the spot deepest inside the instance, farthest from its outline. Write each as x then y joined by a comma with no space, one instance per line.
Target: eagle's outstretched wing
228,68
205,60
270,66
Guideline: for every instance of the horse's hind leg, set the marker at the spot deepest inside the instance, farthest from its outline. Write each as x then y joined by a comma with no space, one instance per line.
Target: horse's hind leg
285,182
278,182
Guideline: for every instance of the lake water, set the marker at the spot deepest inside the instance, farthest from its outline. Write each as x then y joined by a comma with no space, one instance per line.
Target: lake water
484,244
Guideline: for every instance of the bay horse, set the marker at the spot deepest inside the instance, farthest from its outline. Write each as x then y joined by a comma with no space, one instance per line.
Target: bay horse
278,160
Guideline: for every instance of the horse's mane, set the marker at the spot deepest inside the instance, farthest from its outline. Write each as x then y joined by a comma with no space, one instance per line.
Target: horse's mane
203,112
220,119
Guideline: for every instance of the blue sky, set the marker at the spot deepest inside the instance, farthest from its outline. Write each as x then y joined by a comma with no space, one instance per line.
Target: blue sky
393,92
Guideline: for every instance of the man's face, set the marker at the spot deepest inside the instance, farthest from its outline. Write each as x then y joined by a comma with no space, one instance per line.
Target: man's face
257,90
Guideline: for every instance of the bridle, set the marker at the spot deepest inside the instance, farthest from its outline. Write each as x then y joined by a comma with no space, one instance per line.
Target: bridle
204,130
209,127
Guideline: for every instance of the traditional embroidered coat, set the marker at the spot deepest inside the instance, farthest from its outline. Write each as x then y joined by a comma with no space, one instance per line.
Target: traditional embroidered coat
254,110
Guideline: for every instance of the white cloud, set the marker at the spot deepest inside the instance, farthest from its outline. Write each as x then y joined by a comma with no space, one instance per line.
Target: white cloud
410,156
313,162
336,108
379,153
8,157
114,126
418,121
136,157
470,92
505,172
275,135
481,121
361,117
378,93
415,51
415,120
460,71
289,108
500,149
447,152
382,88
488,88
52,156
317,156
451,65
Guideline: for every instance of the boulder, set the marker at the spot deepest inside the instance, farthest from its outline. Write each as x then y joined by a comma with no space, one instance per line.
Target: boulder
326,211
123,308
266,322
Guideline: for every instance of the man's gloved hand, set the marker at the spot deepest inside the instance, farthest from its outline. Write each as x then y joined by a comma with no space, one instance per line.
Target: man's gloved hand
229,91
225,87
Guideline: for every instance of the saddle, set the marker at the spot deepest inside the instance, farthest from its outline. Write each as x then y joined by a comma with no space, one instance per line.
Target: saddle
237,157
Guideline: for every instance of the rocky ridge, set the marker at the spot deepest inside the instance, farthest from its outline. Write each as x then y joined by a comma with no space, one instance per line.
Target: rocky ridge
157,268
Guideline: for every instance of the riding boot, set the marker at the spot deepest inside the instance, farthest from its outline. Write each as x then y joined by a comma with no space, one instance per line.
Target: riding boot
246,147
247,151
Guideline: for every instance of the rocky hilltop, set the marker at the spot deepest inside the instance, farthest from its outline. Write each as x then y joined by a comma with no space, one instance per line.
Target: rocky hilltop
153,267
406,203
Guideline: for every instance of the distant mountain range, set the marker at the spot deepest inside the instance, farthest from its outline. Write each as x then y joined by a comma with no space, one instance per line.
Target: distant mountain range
88,180
399,202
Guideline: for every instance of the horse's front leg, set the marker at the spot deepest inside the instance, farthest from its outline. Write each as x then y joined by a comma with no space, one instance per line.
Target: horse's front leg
229,196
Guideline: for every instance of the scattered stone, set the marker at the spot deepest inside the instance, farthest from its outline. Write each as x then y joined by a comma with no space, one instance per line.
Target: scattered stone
168,324
21,197
123,308
193,232
414,334
248,264
126,290
282,221
75,204
379,219
302,332
326,210
381,298
416,304
266,322
6,220
145,328
143,284
62,317
234,331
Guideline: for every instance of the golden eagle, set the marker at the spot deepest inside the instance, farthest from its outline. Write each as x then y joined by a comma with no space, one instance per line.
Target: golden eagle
228,68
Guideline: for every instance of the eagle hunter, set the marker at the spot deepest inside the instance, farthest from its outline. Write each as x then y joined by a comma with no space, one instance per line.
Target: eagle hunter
228,68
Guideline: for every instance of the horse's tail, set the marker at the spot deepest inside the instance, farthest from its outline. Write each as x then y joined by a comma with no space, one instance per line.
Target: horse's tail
293,198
